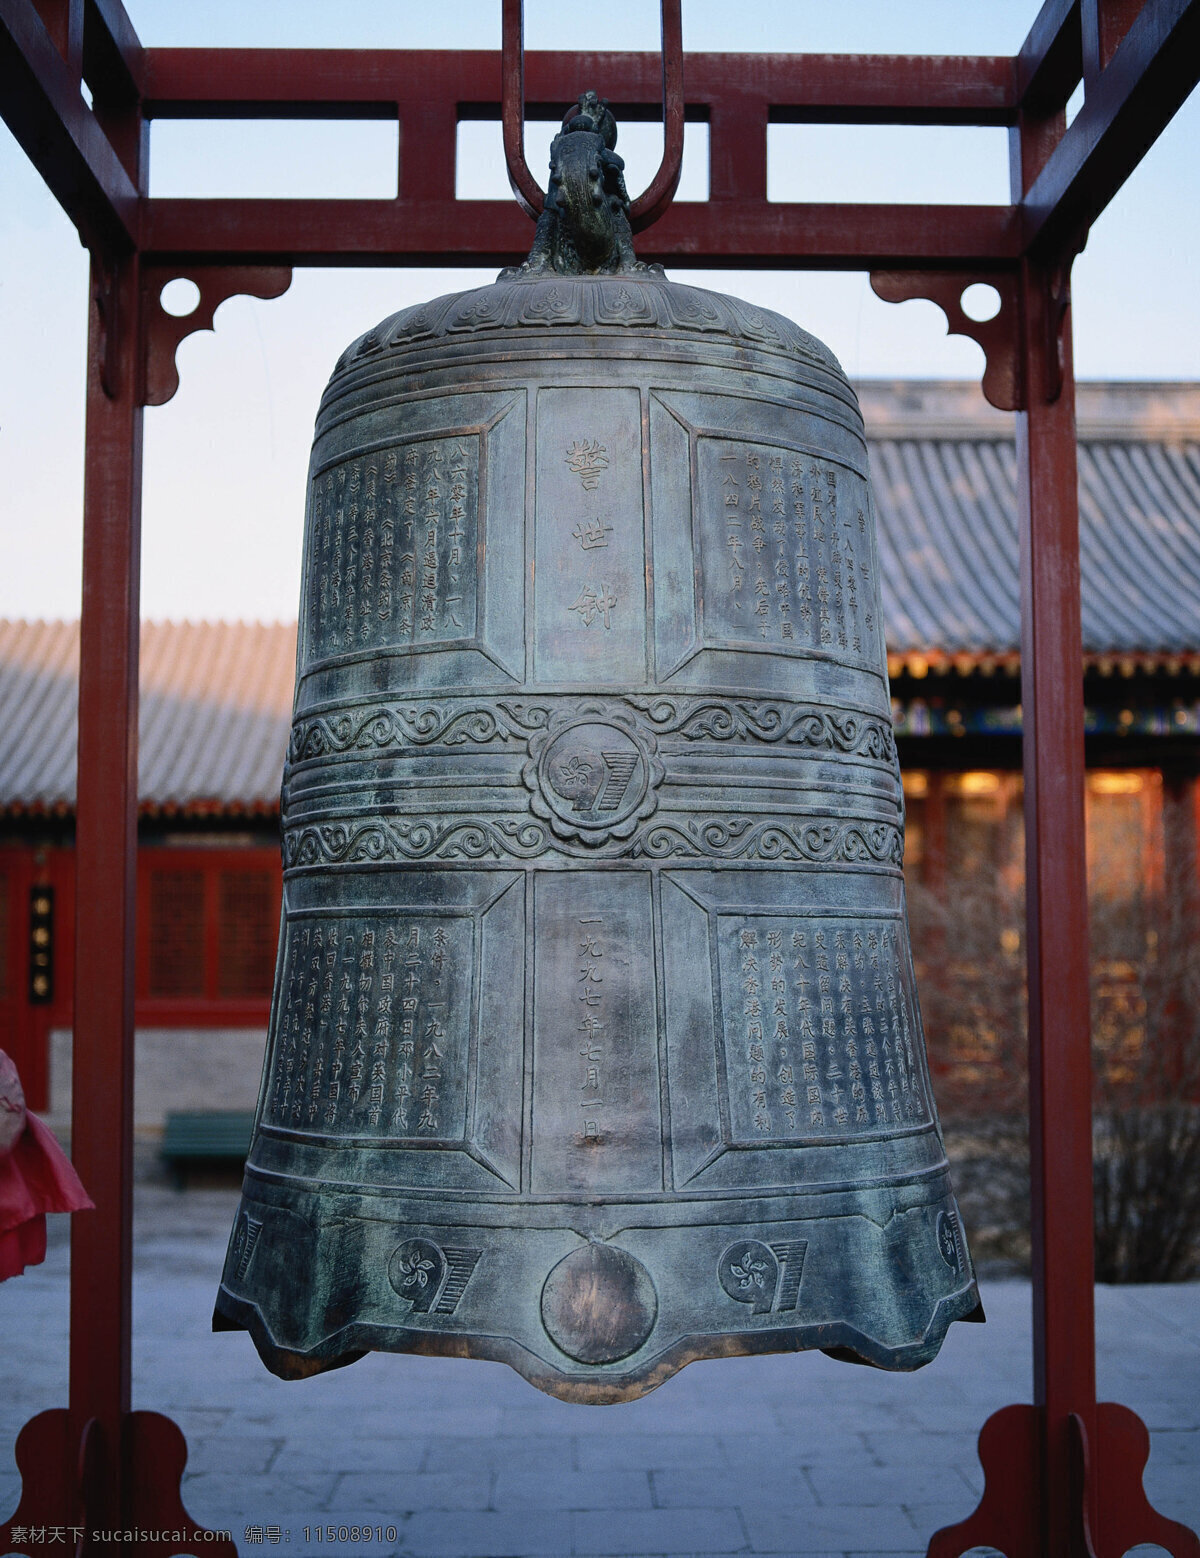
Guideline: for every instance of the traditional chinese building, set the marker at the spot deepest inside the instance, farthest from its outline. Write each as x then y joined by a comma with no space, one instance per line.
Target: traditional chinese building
216,701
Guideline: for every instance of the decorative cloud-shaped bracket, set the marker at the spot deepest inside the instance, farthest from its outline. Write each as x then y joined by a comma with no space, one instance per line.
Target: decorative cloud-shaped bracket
162,332
1002,379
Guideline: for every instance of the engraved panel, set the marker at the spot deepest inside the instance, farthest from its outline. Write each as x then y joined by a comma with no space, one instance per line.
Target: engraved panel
411,544
393,545
676,583
764,544
373,1027
784,553
596,1110
589,573
500,1062
821,1028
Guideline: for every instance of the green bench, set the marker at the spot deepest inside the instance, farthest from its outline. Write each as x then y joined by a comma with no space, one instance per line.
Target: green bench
205,1136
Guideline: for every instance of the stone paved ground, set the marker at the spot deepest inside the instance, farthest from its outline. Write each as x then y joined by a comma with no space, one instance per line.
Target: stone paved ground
779,1455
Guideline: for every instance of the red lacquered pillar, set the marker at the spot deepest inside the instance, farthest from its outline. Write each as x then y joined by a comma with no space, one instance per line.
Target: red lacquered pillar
1060,1104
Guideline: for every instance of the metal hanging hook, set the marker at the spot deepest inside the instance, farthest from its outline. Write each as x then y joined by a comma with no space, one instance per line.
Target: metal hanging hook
655,199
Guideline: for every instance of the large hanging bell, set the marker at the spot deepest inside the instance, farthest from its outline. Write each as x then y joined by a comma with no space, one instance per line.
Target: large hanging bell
595,1046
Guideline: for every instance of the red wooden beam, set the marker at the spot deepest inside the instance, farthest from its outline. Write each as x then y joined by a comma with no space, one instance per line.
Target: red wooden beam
105,870
487,232
63,20
360,83
1102,25
112,51
1127,107
1060,1092
60,134
1048,65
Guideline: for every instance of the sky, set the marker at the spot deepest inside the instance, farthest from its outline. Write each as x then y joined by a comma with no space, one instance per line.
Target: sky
225,461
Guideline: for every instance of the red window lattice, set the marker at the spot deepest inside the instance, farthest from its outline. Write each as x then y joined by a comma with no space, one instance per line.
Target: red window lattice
246,933
176,933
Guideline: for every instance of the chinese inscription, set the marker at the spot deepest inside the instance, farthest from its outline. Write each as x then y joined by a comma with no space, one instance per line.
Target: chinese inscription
591,1025
595,604
821,1027
374,1034
597,1124
392,547
588,459
589,573
785,549
591,533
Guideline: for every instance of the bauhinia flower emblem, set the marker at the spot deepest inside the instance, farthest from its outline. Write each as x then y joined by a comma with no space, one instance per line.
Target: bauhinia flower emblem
417,1271
593,772
573,775
750,1273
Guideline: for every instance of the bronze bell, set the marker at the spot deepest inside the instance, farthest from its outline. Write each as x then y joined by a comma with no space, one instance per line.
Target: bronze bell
595,1046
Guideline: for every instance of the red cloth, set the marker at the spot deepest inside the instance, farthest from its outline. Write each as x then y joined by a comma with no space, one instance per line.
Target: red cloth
36,1177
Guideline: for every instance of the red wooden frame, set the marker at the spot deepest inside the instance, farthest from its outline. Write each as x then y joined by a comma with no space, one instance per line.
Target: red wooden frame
1063,1475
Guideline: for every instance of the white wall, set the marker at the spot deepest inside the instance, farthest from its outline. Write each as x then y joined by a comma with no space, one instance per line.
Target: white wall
174,1068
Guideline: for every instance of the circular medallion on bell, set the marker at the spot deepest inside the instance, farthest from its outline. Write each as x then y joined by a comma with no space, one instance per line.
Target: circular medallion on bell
749,1273
599,1304
947,1238
593,774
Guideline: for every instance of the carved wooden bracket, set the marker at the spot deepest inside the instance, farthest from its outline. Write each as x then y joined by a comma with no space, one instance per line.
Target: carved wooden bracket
998,336
162,332
1106,1472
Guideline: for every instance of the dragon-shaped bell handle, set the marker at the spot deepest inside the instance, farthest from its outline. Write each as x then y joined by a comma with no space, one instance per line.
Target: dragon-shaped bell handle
585,218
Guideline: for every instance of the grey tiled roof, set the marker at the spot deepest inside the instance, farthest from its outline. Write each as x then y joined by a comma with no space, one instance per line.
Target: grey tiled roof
215,710
949,554
216,696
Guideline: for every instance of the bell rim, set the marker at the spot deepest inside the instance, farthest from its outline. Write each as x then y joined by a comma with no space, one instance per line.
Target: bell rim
839,1337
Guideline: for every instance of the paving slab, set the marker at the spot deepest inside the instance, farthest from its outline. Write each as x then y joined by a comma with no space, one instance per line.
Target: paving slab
493,1534
645,1531
867,1528
616,1451
542,1455
778,1453
709,1487
370,1494
304,1453
919,1482
573,1490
